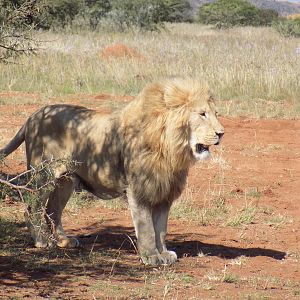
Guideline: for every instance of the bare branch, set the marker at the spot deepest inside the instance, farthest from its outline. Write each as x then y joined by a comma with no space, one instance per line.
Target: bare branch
16,187
20,175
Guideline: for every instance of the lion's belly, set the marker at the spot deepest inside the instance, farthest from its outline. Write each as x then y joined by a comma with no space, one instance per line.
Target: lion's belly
102,192
102,184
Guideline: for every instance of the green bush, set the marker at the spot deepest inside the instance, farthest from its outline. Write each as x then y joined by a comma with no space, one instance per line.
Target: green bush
177,11
229,13
267,17
94,11
59,13
120,14
142,14
148,14
288,27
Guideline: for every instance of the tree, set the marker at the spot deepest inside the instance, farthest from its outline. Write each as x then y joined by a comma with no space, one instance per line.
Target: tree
288,27
229,13
57,14
95,11
16,27
178,11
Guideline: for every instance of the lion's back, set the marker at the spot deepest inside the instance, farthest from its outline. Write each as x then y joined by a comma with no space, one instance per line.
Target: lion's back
56,130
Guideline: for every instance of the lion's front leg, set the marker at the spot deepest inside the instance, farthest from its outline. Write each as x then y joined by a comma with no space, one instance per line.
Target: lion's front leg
160,214
142,217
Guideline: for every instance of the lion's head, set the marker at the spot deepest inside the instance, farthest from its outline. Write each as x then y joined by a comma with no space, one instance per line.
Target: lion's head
169,126
179,119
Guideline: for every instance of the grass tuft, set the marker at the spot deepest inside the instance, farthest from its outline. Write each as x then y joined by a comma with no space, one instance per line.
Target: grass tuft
243,217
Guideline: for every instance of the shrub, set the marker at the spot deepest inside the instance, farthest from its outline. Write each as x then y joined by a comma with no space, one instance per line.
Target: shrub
288,27
148,15
177,11
94,11
229,13
142,14
59,13
267,17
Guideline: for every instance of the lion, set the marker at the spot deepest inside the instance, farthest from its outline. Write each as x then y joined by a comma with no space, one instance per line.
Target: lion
144,151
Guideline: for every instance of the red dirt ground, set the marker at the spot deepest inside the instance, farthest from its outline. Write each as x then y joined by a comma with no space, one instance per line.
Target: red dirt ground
257,166
120,51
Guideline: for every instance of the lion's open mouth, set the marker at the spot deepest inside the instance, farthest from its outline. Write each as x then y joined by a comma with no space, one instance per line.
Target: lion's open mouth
201,152
201,148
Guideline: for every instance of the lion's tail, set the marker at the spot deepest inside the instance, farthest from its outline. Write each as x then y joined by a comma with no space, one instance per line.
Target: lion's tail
14,143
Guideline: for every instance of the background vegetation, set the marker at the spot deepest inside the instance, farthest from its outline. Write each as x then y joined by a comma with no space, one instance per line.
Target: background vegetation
242,64
229,13
57,14
18,18
248,67
288,27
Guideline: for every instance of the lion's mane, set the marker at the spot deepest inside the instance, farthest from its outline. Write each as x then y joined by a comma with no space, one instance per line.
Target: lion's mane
155,128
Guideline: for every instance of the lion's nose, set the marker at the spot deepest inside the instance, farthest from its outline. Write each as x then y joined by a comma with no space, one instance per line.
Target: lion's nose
219,134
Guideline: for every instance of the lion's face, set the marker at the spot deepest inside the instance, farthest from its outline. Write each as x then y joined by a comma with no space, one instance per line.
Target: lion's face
206,130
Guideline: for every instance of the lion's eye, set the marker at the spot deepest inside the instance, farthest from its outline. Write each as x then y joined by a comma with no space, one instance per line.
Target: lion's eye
203,114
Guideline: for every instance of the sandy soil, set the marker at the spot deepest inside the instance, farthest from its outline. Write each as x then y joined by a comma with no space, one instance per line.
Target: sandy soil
256,170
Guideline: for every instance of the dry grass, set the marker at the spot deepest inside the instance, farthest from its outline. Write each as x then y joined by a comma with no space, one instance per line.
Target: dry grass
254,70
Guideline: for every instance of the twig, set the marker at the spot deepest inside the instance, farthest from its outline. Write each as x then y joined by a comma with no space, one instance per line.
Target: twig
16,187
116,259
92,249
19,175
133,244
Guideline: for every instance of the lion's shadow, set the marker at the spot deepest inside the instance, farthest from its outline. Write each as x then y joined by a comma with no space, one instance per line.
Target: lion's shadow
114,236
99,253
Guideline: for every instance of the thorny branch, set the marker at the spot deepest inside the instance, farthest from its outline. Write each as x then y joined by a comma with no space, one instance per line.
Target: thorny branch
27,186
15,187
16,28
30,176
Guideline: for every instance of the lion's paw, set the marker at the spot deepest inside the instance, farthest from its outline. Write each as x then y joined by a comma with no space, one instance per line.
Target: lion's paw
169,256
43,240
41,244
68,242
165,258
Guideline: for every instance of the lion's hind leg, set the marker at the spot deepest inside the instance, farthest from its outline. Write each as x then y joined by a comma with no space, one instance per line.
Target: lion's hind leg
43,216
57,201
35,217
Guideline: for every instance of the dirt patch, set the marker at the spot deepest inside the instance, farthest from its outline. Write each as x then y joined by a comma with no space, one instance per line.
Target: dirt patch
120,51
242,240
